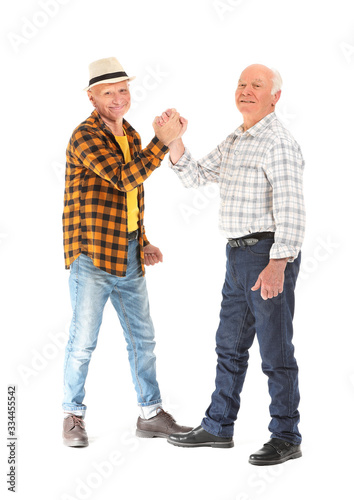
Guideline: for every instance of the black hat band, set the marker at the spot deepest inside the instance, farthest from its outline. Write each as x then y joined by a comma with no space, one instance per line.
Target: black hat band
107,76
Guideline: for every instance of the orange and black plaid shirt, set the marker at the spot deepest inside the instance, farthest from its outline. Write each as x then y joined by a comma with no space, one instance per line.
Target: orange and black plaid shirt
95,201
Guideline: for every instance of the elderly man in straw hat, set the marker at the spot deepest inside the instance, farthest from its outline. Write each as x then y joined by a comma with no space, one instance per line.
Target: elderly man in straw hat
259,168
105,247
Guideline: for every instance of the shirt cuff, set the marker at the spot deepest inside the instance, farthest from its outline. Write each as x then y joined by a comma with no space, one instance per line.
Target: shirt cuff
158,148
280,251
185,158
143,234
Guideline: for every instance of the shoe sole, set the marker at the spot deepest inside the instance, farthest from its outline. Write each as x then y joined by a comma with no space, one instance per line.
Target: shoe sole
75,444
211,444
150,434
298,454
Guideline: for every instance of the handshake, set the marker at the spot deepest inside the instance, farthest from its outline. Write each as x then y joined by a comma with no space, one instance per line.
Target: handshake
170,126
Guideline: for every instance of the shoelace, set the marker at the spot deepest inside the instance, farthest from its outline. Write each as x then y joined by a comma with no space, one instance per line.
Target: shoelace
78,421
167,416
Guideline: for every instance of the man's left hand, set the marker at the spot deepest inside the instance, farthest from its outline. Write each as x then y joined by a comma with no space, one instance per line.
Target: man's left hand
271,279
152,255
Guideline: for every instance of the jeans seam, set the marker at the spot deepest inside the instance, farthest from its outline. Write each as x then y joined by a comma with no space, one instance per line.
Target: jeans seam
238,341
72,337
233,276
132,341
285,363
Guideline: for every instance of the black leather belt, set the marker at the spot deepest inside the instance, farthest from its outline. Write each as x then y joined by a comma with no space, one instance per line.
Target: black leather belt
133,235
249,240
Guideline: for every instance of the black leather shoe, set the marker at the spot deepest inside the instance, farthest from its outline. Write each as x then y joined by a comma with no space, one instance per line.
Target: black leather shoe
199,437
276,451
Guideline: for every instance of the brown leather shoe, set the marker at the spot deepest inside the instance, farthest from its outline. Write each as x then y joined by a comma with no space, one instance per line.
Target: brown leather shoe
160,426
74,433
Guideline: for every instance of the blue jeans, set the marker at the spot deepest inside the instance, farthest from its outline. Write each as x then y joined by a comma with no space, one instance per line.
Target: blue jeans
90,288
243,315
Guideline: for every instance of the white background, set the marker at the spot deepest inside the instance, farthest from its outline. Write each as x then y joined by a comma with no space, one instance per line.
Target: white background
188,55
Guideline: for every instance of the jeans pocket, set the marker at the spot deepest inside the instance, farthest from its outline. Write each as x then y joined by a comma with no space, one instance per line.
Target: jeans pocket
262,248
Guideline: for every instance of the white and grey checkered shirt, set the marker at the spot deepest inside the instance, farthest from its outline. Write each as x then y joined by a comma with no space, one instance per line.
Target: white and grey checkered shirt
260,176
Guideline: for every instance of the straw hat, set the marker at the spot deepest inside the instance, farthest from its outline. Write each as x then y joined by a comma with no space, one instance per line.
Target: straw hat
107,70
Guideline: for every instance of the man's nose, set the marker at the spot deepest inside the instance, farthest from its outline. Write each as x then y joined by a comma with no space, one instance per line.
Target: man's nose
247,89
117,99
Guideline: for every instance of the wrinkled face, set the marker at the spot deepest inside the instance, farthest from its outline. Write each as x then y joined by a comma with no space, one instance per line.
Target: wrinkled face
112,100
253,95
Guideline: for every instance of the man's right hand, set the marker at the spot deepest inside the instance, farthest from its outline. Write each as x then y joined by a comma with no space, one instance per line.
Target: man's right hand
169,130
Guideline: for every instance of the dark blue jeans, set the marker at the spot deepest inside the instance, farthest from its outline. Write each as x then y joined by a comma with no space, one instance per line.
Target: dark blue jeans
243,315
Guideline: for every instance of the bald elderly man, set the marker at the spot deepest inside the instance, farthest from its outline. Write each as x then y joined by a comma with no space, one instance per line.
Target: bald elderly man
259,168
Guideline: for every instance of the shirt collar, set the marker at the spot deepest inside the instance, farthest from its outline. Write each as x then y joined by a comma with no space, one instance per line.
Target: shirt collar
101,124
258,127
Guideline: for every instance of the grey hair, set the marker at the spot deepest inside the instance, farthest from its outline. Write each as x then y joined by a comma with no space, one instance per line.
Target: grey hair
277,81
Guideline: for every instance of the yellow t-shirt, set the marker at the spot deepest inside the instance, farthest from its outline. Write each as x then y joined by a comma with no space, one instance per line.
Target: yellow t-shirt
132,196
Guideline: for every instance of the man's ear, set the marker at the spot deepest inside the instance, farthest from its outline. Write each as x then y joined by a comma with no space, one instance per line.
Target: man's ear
90,96
276,97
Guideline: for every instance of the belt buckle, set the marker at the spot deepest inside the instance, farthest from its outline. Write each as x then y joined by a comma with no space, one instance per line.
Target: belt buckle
242,242
133,235
251,241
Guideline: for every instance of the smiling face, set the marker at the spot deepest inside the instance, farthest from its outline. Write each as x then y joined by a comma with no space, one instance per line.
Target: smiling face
253,95
112,100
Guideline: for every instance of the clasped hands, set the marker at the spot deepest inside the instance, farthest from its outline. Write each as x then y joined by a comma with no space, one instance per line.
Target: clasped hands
169,126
